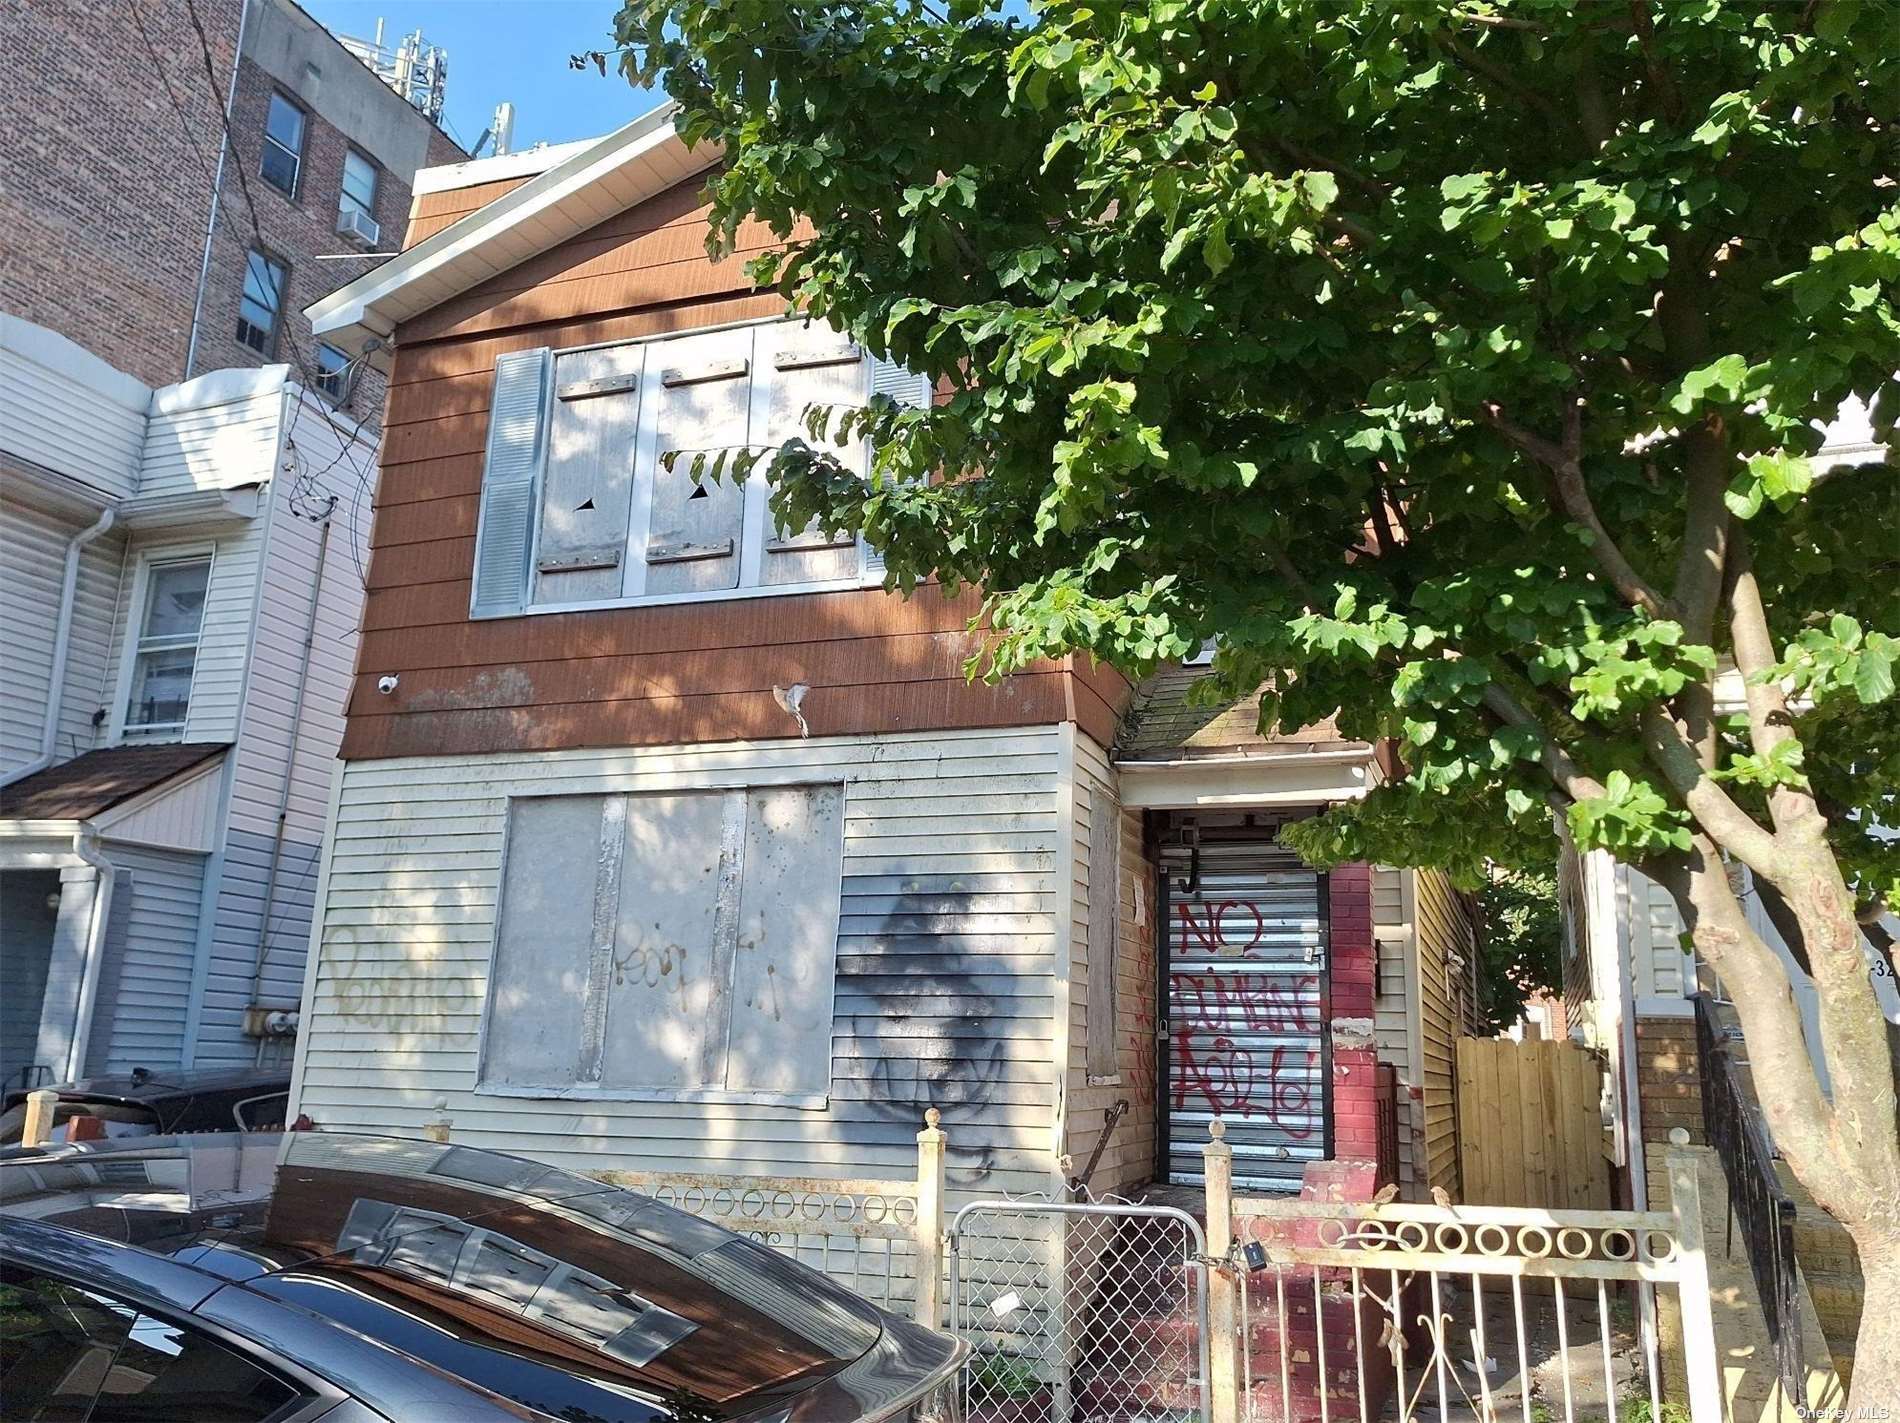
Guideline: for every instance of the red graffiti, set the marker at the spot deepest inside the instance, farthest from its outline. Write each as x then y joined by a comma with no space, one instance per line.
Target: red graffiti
1225,1080
1207,924
1251,1003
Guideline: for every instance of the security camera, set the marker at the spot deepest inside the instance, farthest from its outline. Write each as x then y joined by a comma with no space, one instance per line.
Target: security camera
386,683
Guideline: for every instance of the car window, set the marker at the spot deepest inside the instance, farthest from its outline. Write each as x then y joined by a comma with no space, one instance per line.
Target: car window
262,1113
57,1343
72,1355
165,1371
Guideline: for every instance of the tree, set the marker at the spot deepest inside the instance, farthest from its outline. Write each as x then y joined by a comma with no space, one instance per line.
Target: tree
1457,363
1522,951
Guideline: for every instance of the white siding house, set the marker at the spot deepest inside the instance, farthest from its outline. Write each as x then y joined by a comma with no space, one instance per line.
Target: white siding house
174,670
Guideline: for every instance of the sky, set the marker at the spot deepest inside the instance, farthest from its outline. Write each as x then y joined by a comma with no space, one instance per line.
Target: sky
507,49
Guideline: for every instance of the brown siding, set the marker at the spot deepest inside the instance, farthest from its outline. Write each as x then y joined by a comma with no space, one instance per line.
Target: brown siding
677,673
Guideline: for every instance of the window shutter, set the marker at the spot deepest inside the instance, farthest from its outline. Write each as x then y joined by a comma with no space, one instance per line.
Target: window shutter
906,387
516,445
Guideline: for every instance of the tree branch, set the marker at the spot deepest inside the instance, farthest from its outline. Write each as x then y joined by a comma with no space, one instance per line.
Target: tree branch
1565,465
1798,1114
1556,762
1769,723
1722,820
1660,78
1485,69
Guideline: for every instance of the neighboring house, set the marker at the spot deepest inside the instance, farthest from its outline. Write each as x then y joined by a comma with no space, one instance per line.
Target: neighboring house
139,225
666,842
180,587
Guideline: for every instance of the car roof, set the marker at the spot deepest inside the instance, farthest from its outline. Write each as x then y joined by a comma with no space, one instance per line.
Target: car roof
567,1295
145,1089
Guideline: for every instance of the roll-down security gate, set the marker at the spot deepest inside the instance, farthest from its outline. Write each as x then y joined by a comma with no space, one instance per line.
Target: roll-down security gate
1245,931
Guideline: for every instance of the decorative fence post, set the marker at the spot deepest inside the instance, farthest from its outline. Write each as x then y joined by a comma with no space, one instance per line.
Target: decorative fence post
1698,1320
930,1222
1223,1285
39,1116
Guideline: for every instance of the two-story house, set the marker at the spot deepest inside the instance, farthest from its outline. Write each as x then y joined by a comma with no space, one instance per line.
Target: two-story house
668,841
180,583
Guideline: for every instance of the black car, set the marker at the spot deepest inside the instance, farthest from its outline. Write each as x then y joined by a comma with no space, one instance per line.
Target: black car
302,1275
161,1103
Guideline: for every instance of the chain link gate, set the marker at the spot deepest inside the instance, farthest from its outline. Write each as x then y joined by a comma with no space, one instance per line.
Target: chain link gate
1079,1312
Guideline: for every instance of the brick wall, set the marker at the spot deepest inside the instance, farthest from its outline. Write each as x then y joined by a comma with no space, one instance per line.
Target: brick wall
1668,1086
1350,1006
106,191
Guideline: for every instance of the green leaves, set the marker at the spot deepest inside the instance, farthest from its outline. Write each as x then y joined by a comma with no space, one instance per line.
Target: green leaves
1779,478
1229,299
1632,819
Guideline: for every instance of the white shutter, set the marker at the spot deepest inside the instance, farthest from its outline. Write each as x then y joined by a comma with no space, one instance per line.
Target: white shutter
510,480
906,387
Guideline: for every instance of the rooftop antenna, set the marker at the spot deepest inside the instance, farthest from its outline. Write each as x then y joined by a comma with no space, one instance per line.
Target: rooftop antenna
415,69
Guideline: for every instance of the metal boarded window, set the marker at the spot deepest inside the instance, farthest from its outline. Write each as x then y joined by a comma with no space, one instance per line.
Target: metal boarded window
702,406
504,536
587,494
1103,931
701,964
538,980
811,365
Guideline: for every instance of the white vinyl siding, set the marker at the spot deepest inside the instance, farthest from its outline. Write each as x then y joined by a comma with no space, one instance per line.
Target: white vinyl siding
145,975
222,446
264,752
64,409
32,565
944,978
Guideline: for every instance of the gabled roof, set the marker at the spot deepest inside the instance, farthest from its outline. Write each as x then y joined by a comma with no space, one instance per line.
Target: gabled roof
95,782
583,189
1166,722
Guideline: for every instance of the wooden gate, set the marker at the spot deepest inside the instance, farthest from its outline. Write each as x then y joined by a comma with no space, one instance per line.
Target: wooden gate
1530,1125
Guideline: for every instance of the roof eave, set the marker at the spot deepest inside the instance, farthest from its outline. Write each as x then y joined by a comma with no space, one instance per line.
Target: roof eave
472,249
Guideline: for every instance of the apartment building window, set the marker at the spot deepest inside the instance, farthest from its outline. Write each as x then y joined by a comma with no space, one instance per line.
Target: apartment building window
332,374
165,650
261,303
667,946
359,187
581,504
282,162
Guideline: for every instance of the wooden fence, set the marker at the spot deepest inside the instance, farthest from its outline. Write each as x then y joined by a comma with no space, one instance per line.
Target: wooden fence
1530,1128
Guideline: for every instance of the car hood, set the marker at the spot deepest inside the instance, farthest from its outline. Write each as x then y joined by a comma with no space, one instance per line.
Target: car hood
568,1296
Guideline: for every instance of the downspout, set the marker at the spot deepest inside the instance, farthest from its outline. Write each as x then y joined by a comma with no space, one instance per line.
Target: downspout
86,847
290,762
62,637
217,193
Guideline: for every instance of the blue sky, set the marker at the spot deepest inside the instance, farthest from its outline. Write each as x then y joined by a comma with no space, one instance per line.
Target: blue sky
507,49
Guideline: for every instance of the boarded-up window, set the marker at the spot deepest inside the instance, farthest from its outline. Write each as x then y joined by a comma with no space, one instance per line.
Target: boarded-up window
671,944
1103,931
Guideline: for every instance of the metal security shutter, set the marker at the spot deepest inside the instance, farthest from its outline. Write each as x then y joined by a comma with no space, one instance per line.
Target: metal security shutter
907,388
510,481
1246,1024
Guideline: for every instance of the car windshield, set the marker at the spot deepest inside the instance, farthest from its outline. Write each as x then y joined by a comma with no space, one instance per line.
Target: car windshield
571,1297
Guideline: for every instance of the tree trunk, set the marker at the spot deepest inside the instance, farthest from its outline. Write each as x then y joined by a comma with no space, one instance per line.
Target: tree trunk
1875,1390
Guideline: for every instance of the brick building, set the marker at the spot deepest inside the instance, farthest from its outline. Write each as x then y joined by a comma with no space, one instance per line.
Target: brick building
117,167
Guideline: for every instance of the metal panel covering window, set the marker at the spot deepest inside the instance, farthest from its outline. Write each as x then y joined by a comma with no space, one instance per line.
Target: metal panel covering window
1246,963
166,652
701,964
628,505
281,163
